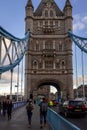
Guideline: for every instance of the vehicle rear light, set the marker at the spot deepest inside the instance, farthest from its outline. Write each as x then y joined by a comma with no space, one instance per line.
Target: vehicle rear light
84,107
69,107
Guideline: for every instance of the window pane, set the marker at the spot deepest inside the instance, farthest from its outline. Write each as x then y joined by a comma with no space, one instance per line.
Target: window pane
48,64
49,45
51,13
46,13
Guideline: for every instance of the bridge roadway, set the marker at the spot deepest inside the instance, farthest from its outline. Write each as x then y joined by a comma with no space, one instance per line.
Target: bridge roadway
19,120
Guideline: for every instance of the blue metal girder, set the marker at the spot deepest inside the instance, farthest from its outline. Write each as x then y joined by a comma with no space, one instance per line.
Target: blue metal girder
10,36
79,41
6,34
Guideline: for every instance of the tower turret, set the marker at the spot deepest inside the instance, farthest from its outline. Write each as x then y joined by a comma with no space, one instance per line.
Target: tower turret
29,16
29,4
68,16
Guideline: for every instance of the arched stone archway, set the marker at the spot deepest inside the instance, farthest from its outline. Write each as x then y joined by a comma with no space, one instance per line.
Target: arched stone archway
60,86
46,84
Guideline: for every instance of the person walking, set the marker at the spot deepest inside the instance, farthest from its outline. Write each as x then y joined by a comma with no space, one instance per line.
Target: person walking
0,107
9,109
29,108
4,106
43,112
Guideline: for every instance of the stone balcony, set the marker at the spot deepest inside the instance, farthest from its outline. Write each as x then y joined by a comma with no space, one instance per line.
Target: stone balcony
48,28
49,52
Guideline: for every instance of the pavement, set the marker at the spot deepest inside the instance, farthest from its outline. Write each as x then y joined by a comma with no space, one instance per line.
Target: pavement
19,120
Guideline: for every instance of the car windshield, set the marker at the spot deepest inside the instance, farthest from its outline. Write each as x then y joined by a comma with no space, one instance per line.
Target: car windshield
76,103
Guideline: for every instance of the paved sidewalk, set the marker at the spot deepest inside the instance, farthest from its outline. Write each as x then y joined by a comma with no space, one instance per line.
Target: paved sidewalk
19,120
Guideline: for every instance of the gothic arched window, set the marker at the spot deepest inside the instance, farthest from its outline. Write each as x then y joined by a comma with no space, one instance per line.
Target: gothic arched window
46,13
46,23
51,13
35,64
48,64
37,46
63,64
57,65
48,45
60,46
51,23
40,65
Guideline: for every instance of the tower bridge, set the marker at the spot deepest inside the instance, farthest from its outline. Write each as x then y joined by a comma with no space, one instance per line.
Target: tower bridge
47,47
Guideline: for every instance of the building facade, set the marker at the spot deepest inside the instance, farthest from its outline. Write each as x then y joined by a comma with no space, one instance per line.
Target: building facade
81,91
48,60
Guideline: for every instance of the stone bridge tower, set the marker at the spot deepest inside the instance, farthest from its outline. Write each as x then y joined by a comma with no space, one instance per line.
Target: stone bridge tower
48,60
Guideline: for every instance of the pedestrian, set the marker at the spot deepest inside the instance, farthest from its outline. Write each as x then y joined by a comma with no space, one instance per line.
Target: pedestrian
0,107
29,108
50,103
9,109
4,107
43,113
34,101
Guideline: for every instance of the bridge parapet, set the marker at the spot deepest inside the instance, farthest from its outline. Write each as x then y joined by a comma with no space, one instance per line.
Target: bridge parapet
59,123
18,104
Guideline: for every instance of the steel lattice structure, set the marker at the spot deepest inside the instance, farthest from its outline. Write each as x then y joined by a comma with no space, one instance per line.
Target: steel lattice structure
12,50
82,44
79,41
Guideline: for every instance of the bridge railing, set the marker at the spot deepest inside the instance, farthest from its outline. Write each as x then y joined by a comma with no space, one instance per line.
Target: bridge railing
18,104
59,123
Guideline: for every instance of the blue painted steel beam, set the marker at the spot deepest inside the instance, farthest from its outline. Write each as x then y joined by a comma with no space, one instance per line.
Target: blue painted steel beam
77,42
6,34
10,36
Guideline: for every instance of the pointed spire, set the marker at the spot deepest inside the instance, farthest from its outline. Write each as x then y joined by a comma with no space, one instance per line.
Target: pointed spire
68,3
40,8
29,4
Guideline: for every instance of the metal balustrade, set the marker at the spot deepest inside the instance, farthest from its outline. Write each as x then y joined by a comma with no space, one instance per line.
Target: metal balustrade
59,123
18,104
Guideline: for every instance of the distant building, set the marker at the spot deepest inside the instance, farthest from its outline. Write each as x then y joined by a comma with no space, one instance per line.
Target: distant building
14,97
79,90
52,96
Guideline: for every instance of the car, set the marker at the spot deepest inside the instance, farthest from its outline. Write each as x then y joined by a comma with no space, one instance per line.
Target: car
73,107
82,99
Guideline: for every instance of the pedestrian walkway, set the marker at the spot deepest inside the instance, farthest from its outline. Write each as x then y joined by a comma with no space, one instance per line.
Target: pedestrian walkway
19,120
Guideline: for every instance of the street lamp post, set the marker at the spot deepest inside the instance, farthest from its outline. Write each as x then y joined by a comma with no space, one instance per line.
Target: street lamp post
0,53
76,72
21,80
11,84
83,76
17,82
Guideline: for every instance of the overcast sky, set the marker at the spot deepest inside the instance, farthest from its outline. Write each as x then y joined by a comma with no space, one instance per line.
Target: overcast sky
12,18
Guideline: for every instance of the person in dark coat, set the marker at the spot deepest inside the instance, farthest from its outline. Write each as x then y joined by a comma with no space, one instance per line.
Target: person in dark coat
0,107
9,109
29,108
4,106
43,112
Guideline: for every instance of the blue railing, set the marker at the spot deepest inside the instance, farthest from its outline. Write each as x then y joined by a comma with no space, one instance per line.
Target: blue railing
59,123
18,104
